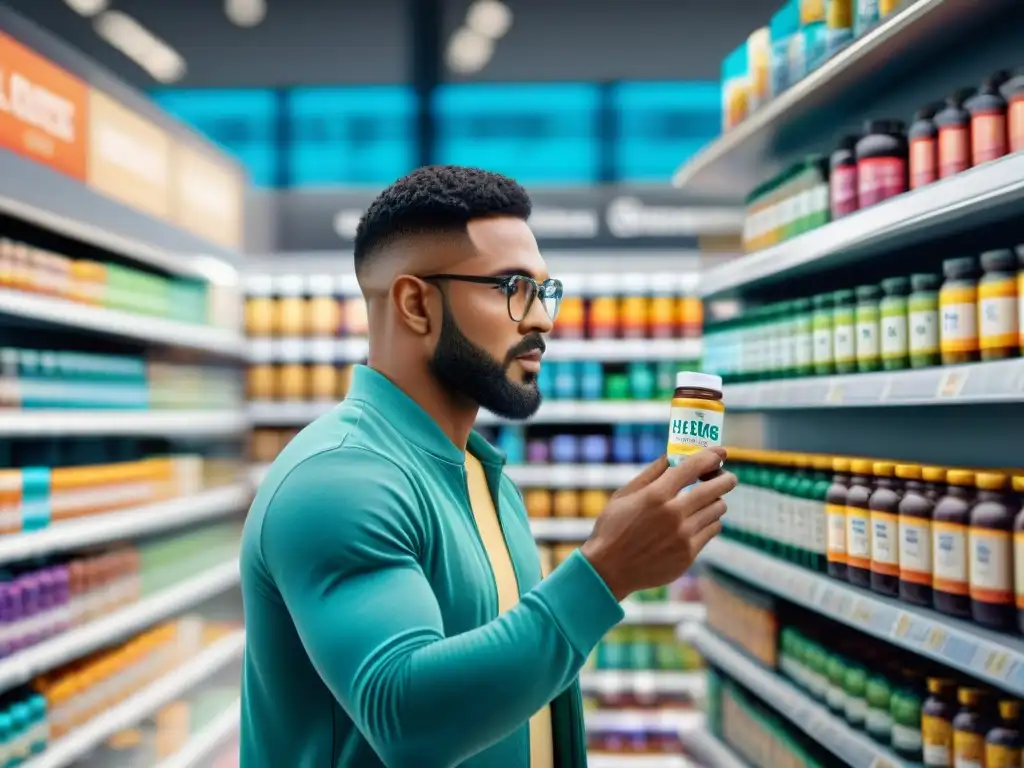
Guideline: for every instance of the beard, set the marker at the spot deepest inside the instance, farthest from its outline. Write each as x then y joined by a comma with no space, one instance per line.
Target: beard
466,369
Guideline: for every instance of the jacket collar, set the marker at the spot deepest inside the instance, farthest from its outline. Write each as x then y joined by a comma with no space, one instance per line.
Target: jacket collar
407,417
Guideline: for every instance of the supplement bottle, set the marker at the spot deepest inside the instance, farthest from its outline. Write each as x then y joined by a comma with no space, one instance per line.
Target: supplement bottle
835,509
878,692
1018,551
291,316
998,308
855,686
950,584
971,724
824,360
324,310
662,308
915,550
1013,92
954,125
958,310
603,316
1004,742
634,309
895,336
987,109
697,414
905,708
858,523
923,317
572,310
868,332
990,552
803,337
924,148
937,715
844,350
884,505
1020,295
259,306
843,178
881,162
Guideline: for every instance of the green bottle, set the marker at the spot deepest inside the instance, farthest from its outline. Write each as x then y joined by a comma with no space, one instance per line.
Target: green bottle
824,358
869,349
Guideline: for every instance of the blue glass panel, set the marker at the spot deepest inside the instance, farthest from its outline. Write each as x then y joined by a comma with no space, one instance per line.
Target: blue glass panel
660,125
242,121
538,133
350,135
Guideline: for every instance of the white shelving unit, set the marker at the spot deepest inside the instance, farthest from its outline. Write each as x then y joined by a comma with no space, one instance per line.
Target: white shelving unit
136,708
710,750
611,681
639,719
668,613
853,747
561,528
637,761
170,423
197,751
608,476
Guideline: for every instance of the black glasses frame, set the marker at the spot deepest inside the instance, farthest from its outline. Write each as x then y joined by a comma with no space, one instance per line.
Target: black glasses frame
549,289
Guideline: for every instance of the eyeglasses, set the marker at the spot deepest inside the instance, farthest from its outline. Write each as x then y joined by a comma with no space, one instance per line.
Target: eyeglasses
520,292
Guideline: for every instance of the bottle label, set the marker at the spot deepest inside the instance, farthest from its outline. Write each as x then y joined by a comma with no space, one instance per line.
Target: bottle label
923,168
819,527
843,343
879,178
804,349
856,710
915,550
836,698
858,538
1015,115
988,137
949,548
991,566
885,543
924,330
1020,306
959,316
1002,756
692,429
997,314
837,533
937,738
906,738
954,150
878,723
843,185
894,335
1018,567
867,344
823,343
968,750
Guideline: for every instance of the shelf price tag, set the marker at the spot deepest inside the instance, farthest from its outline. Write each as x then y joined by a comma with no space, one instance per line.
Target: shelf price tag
935,639
952,383
834,396
881,761
996,663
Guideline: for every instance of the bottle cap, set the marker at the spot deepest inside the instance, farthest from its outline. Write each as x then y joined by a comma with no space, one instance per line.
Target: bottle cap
843,296
960,268
939,685
868,292
1009,709
822,463
1018,483
862,466
925,281
933,474
960,477
883,468
969,696
695,380
822,301
908,471
990,481
895,286
840,464
999,260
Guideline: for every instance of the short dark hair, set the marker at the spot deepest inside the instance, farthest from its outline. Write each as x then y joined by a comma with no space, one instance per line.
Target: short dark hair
436,199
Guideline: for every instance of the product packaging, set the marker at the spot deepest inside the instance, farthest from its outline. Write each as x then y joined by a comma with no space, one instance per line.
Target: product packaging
785,23
924,147
839,26
735,88
1013,92
987,109
759,47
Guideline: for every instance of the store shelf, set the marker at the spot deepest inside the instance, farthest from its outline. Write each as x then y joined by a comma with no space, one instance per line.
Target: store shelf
197,751
854,748
710,751
980,195
669,613
170,423
295,350
609,476
994,658
561,528
272,414
640,719
81,640
136,708
996,382
637,761
125,524
612,681
127,325
728,168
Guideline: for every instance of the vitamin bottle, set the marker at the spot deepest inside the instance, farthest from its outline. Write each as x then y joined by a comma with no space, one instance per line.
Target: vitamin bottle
867,344
662,307
835,508
1020,295
291,315
954,125
634,312
843,178
858,523
884,507
855,686
1013,92
881,162
571,323
1018,551
844,350
893,308
697,415
1003,743
987,109
990,552
937,715
878,692
950,585
905,708
998,307
324,313
915,531
824,360
970,727
923,317
259,306
803,336
603,309
958,309
924,149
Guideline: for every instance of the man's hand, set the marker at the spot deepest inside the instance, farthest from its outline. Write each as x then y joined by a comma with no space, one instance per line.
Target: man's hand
650,534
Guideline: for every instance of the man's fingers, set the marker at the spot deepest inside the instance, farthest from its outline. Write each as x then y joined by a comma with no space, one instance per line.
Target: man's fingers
692,469
704,517
704,494
647,475
700,539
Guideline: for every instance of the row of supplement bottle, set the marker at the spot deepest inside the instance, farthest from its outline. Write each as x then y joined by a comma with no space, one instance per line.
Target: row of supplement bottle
975,313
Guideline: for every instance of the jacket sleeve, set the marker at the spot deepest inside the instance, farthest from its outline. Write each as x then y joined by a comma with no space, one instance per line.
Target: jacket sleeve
345,548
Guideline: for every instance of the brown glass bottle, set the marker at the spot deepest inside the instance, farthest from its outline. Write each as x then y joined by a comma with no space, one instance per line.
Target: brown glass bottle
1003,743
835,507
990,552
937,715
884,505
858,523
950,584
934,482
1018,551
915,551
972,722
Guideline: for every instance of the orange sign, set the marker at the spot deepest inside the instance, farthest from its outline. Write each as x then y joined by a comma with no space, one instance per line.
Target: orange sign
43,109
209,197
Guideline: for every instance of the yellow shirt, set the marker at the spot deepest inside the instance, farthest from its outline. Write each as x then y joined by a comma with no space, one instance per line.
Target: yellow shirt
541,738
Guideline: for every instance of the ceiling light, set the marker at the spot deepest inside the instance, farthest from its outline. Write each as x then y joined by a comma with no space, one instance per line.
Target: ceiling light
490,18
245,13
87,7
468,51
140,45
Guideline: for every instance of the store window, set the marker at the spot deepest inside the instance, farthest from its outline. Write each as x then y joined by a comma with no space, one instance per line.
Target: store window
538,133
350,135
242,121
662,124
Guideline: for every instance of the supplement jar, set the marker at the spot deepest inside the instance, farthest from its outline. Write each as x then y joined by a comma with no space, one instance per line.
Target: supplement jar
924,148
881,162
990,552
950,582
697,415
843,178
923,316
915,537
893,308
987,109
803,339
868,333
824,359
259,306
958,309
1013,92
998,308
844,351
954,126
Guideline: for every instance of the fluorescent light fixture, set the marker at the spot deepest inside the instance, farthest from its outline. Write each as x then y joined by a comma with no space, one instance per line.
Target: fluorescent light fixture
245,13
490,18
468,51
140,45
87,8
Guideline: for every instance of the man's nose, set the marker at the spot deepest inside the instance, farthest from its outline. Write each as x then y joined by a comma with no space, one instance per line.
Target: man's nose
537,320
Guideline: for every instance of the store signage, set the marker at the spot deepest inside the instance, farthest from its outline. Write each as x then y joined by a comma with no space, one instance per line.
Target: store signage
207,196
43,109
129,157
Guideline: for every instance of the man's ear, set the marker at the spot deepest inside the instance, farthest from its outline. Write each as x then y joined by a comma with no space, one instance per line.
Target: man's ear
409,296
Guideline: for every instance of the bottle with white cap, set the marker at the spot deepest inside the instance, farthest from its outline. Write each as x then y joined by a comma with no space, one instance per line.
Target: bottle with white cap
697,417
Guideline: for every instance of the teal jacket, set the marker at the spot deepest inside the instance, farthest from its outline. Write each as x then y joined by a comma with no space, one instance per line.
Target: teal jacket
371,613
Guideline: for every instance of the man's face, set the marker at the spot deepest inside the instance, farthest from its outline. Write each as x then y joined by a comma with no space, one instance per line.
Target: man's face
481,352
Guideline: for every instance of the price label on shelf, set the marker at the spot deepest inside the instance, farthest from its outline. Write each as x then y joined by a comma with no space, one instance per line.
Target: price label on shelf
834,396
952,382
881,761
996,663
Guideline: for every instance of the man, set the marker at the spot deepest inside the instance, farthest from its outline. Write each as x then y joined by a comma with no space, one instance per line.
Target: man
394,605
